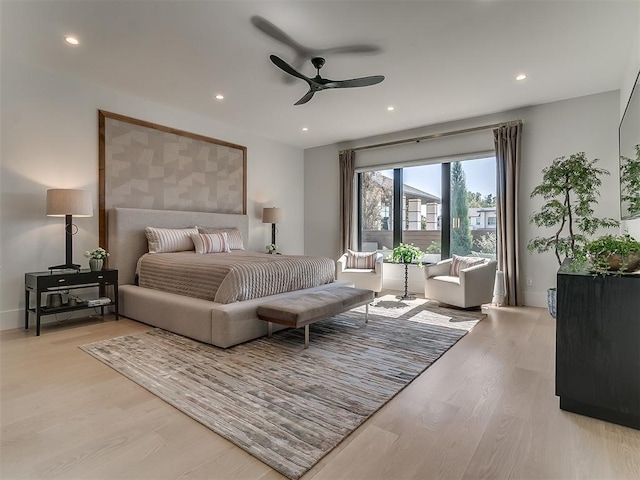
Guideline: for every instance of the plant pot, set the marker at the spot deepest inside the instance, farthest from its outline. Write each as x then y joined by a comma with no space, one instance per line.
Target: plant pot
616,262
552,299
95,264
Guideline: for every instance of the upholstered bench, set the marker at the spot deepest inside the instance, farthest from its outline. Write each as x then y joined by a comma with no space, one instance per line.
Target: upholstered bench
303,310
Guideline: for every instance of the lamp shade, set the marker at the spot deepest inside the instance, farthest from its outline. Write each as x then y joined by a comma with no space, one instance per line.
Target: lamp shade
61,202
272,215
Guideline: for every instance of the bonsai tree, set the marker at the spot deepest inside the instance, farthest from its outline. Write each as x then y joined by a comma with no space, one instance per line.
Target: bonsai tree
630,182
570,187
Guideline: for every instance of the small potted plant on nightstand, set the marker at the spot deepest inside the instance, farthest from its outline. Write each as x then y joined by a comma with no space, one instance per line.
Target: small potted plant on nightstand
272,248
96,258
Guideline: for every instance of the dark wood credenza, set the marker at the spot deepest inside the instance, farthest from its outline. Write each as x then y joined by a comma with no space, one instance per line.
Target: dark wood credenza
598,345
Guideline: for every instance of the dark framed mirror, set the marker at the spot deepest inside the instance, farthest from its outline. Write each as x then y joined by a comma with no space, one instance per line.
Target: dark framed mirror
629,138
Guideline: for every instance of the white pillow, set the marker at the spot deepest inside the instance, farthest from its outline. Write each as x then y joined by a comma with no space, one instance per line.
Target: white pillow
211,242
233,234
165,240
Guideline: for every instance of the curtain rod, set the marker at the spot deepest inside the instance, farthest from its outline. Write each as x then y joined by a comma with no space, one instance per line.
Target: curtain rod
436,135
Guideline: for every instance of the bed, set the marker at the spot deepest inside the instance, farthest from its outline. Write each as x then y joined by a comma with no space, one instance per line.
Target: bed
205,320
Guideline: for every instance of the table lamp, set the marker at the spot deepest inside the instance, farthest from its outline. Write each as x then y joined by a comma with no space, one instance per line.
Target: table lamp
272,215
68,203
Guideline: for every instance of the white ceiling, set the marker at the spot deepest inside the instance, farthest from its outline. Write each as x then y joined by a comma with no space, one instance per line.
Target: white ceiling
443,61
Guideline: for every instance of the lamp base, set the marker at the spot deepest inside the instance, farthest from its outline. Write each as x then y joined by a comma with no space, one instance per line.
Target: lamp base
66,266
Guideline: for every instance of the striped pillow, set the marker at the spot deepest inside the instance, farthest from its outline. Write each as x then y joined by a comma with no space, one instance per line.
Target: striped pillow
460,263
211,242
234,236
362,260
165,240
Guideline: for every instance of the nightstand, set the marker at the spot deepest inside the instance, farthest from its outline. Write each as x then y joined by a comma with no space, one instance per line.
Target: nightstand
59,281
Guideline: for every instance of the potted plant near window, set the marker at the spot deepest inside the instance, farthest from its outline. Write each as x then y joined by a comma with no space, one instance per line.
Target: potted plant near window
570,187
406,253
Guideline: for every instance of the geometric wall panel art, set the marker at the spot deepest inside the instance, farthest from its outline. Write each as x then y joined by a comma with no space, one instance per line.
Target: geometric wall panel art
150,166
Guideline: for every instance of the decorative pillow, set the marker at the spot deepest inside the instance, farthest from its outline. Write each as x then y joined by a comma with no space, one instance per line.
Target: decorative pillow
234,235
165,240
364,260
460,263
211,242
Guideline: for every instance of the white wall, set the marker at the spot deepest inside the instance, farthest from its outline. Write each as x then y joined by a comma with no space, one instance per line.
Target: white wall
322,201
586,124
50,140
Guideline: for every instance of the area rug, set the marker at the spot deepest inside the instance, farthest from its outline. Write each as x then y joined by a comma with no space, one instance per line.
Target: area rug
285,405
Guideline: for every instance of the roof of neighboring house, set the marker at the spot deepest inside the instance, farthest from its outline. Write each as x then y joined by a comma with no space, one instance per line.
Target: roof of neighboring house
412,192
409,191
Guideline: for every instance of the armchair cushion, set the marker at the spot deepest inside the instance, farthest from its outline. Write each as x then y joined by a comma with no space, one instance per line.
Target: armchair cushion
361,260
460,263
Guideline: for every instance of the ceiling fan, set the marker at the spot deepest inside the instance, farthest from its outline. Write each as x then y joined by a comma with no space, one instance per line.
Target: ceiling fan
304,53
318,83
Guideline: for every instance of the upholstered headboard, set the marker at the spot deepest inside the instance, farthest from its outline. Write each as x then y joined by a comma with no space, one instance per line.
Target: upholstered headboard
126,240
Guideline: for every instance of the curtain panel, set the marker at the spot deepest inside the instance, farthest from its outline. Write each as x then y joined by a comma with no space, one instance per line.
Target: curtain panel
347,172
508,139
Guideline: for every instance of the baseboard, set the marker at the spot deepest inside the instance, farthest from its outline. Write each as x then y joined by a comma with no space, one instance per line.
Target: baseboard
11,319
535,299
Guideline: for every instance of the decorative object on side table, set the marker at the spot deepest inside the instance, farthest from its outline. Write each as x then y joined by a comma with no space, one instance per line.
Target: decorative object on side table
68,203
272,248
613,253
570,187
406,253
96,258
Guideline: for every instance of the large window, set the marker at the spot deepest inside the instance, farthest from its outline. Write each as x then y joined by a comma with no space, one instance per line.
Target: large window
444,208
376,210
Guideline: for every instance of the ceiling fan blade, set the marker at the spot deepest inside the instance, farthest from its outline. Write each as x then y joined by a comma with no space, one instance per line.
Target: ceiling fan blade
265,26
278,62
306,98
355,82
352,49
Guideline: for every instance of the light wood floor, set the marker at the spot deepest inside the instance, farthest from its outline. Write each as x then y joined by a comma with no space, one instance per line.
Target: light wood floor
486,409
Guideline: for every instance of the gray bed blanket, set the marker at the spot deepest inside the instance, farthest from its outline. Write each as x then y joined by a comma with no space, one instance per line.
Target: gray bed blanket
232,277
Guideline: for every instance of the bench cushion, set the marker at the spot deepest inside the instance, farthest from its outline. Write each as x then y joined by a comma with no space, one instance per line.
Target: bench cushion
304,309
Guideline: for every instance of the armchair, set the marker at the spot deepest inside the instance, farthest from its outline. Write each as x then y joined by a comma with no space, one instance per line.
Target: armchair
368,279
472,286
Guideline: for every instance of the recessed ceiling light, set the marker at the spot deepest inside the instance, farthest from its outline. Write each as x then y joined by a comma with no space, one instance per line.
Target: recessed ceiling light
219,97
390,108
71,40
522,76
305,129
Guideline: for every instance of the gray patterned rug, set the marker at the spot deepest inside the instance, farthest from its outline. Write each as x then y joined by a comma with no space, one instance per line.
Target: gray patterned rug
284,405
